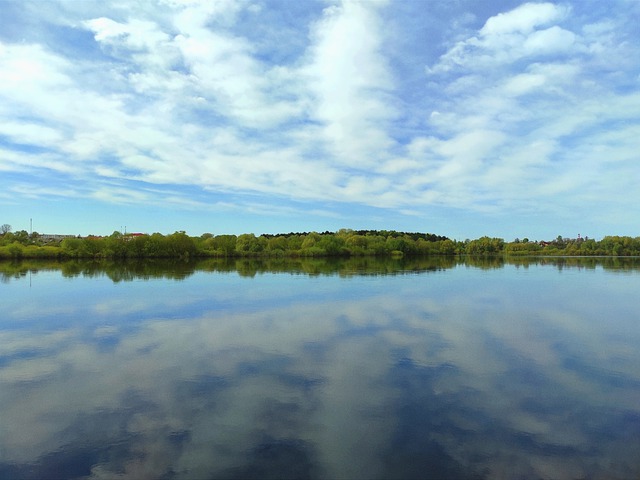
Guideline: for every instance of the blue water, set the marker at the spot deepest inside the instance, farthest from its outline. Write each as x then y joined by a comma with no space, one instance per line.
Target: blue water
456,370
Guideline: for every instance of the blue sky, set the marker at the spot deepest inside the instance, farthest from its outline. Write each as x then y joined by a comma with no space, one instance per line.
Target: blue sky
460,118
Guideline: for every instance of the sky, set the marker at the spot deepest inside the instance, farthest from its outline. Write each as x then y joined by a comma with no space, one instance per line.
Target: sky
459,118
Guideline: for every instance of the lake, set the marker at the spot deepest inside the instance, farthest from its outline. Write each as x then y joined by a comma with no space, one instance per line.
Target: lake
344,369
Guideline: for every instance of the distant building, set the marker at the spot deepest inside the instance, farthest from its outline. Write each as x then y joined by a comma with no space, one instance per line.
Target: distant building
130,236
54,237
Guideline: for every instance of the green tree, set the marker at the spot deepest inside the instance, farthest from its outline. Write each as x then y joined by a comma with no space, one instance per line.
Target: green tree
376,244
135,246
74,247
357,244
332,244
22,237
155,246
559,242
310,240
179,244
404,244
277,244
294,243
447,247
248,243
485,246
225,244
95,246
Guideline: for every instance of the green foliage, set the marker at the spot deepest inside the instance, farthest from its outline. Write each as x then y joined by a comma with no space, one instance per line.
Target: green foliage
222,245
310,240
485,246
249,244
16,251
277,245
333,245
74,247
345,242
620,246
522,248
180,245
446,247
22,237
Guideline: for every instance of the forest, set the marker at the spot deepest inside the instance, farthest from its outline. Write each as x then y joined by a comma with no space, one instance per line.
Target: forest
343,243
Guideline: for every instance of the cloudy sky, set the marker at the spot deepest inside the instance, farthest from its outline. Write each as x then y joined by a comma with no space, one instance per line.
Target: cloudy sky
461,118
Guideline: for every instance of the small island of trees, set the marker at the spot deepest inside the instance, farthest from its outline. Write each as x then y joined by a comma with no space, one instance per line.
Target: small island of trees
344,243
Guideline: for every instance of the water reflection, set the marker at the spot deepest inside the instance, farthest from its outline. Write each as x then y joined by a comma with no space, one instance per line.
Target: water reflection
119,271
246,267
451,372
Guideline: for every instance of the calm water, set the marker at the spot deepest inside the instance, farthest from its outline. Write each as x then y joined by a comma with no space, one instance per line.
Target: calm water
340,370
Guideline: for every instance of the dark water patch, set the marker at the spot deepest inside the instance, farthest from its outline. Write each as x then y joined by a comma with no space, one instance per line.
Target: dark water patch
276,459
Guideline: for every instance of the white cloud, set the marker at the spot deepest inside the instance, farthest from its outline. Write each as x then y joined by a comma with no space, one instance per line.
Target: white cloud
226,73
541,79
508,37
106,30
25,68
528,79
18,161
135,35
29,133
523,19
41,192
524,83
121,195
351,83
551,40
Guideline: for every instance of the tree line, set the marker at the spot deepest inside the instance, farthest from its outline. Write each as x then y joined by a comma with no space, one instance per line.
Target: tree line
343,243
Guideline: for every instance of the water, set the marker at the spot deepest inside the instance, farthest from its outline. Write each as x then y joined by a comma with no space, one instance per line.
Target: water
331,370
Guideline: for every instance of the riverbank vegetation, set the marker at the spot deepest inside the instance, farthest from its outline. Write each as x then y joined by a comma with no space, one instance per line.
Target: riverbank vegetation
343,243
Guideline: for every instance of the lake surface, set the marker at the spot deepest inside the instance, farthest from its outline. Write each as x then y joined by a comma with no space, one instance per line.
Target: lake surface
353,369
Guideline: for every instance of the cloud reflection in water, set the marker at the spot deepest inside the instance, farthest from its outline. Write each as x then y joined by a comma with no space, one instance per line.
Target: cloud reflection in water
458,374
